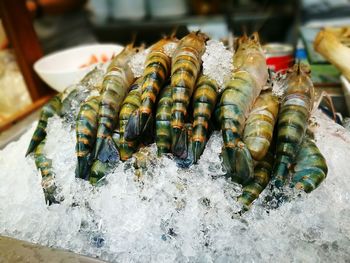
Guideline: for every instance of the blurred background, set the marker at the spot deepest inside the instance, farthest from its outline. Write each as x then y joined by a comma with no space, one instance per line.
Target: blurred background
62,23
119,20
31,29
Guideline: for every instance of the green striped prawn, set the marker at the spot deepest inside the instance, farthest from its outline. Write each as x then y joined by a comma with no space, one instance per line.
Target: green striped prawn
297,103
204,101
248,78
44,164
157,71
258,131
115,86
86,130
310,167
186,65
163,121
50,109
63,104
262,175
131,103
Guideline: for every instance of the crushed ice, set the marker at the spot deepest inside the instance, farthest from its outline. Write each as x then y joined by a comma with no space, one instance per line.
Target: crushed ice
173,214
169,48
217,62
137,62
278,85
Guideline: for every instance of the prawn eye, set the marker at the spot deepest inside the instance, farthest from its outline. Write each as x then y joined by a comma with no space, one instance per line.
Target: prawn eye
255,37
306,69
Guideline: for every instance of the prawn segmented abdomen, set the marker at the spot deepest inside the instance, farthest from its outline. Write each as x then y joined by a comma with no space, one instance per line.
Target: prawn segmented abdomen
292,121
131,103
116,83
50,109
44,164
310,167
204,100
233,107
262,175
240,92
163,121
258,131
156,72
86,130
186,66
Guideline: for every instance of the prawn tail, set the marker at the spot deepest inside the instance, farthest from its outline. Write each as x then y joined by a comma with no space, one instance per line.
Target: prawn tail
180,143
83,168
238,163
108,151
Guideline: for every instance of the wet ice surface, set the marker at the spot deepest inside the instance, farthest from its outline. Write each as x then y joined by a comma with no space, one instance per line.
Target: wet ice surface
217,62
175,215
279,85
137,62
170,48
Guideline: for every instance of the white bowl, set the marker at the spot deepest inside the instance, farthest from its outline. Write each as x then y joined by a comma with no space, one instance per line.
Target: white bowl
63,68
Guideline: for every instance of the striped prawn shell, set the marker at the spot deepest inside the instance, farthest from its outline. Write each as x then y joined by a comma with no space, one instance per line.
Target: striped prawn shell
258,130
262,176
236,101
185,68
157,70
293,119
115,85
250,57
86,130
163,121
50,109
204,100
44,164
310,167
131,103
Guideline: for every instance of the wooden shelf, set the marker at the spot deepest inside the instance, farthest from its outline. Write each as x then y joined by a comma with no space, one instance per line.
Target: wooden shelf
23,113
19,29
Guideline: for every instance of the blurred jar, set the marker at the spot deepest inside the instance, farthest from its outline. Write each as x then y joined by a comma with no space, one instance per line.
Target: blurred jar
130,9
168,8
14,95
205,7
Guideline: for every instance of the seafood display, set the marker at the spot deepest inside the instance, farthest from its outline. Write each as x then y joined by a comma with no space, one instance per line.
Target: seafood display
186,65
163,121
260,124
204,101
157,71
249,76
264,139
50,109
310,167
296,107
131,103
262,176
115,86
86,129
44,164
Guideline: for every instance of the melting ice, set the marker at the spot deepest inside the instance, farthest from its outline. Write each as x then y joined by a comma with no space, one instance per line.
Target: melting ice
173,214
